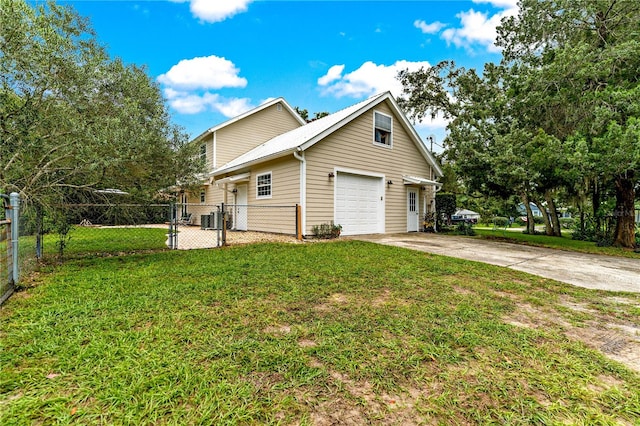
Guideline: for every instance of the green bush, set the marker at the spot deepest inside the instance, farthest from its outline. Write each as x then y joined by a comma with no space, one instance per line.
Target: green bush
464,228
326,230
500,221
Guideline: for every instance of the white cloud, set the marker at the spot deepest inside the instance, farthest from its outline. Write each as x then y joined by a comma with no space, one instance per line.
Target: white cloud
437,125
431,28
187,84
216,10
232,107
334,73
480,27
195,103
503,4
210,72
367,80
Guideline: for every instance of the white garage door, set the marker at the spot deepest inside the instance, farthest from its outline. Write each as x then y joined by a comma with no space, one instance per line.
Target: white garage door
359,206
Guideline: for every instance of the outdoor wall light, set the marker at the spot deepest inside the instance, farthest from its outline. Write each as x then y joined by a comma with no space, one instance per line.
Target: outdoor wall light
331,175
235,190
389,182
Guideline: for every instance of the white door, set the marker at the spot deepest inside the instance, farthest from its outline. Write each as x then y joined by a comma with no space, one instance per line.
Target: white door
359,204
412,210
240,213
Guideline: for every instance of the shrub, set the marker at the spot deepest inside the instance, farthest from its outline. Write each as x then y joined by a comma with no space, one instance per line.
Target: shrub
326,230
501,222
464,228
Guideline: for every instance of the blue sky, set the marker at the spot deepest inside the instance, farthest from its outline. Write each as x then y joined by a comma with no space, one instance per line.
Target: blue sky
215,59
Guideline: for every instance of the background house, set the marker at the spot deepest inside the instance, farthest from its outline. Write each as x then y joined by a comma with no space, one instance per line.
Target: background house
364,168
464,215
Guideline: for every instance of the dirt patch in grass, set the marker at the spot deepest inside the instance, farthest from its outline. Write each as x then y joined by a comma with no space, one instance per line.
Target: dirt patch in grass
617,341
278,330
357,401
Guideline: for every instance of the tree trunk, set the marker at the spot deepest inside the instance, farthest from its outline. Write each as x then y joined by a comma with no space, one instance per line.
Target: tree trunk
531,224
553,212
548,229
624,213
595,201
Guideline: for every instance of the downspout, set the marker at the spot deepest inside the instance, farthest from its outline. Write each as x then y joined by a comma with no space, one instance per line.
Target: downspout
299,155
215,151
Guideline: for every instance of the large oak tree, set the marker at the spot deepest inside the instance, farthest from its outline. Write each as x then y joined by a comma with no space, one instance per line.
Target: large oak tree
560,112
73,120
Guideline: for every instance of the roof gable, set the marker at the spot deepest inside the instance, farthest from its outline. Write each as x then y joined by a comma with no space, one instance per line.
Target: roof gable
306,136
252,112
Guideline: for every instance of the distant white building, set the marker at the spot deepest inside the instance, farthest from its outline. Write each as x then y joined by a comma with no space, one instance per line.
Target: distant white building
466,216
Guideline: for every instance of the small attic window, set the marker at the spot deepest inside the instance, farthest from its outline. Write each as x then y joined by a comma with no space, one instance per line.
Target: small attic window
279,107
382,127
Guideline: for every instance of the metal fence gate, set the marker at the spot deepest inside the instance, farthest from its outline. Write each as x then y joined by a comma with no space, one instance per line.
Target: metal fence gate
9,250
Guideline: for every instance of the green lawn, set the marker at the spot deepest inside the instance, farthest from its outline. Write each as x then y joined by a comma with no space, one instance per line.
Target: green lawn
563,243
319,333
87,241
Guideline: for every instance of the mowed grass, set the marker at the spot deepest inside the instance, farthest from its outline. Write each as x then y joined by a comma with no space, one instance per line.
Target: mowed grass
325,333
562,243
87,241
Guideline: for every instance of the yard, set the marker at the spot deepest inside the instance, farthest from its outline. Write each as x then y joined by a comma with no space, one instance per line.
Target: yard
321,333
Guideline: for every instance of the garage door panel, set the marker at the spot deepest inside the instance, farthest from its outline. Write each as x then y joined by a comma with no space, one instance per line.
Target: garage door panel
358,204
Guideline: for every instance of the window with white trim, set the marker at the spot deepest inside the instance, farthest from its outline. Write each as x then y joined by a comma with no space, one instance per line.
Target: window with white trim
203,152
382,126
203,196
263,185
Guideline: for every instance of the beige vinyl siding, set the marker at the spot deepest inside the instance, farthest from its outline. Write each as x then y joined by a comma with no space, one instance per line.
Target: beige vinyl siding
213,197
275,214
239,137
352,147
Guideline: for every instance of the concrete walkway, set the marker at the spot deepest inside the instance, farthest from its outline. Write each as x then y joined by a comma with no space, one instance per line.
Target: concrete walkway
580,269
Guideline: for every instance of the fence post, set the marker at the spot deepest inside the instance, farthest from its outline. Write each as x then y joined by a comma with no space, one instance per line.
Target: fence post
15,222
172,240
224,224
298,222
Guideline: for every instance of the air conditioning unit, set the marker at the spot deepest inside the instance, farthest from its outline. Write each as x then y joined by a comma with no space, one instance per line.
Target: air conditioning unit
212,220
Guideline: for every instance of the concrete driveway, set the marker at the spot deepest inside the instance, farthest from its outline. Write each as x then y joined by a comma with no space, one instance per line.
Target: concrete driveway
584,270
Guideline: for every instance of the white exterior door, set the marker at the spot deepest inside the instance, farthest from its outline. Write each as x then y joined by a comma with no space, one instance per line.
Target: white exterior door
240,213
412,210
359,204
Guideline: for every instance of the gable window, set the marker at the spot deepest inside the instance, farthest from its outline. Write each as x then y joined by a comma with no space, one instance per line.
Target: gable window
203,152
382,125
263,185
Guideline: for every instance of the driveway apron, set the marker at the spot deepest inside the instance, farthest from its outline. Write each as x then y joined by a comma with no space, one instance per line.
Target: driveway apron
580,269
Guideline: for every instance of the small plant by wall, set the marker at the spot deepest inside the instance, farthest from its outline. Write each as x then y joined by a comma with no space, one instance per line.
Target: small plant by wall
326,230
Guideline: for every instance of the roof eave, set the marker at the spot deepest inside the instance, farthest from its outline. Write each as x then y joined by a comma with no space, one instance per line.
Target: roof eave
247,164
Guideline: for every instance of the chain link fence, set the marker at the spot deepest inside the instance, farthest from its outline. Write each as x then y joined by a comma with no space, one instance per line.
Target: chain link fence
216,225
90,230
77,230
6,258
17,249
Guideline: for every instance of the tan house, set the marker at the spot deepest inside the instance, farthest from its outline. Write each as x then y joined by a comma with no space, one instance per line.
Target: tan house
364,168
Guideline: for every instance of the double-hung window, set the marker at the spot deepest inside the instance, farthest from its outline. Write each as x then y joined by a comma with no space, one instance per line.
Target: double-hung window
382,126
263,185
203,153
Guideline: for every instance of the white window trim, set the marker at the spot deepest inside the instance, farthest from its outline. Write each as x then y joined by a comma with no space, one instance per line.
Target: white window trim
203,196
264,197
383,145
203,155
